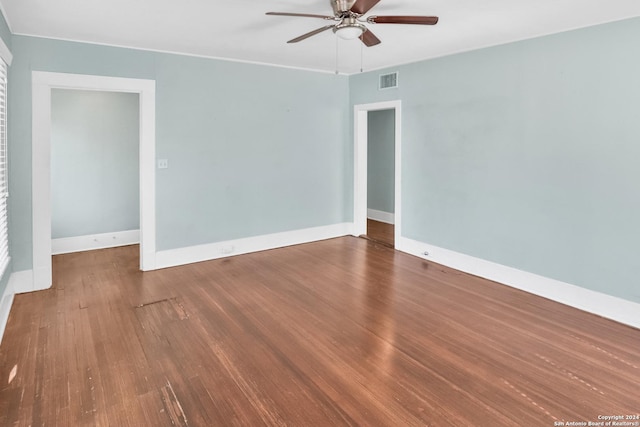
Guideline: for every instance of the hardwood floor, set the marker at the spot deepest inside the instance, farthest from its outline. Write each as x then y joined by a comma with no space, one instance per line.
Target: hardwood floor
380,232
339,332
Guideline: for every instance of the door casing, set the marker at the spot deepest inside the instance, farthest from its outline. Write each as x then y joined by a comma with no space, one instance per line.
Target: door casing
360,166
42,84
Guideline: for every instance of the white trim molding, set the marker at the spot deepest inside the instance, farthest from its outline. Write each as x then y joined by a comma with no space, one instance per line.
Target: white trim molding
90,242
604,305
42,84
21,282
5,52
5,307
361,114
382,216
191,254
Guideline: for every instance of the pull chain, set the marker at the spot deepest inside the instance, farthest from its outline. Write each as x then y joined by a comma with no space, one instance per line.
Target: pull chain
361,54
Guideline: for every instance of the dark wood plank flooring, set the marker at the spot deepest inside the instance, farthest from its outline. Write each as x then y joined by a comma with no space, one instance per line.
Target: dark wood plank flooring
380,232
339,332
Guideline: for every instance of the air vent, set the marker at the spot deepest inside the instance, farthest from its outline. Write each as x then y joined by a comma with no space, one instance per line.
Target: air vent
388,81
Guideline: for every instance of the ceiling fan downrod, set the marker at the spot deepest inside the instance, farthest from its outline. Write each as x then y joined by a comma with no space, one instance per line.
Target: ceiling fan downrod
341,6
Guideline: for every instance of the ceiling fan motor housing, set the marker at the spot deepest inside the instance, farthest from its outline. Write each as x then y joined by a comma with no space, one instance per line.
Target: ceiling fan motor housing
341,6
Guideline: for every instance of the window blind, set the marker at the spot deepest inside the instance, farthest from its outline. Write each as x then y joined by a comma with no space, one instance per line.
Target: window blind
4,185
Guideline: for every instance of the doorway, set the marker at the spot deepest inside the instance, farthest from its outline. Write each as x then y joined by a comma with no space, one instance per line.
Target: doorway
369,222
95,147
42,85
380,176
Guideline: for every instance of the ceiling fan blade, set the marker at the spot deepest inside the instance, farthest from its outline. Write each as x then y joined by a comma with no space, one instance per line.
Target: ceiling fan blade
363,6
311,33
369,39
419,20
307,15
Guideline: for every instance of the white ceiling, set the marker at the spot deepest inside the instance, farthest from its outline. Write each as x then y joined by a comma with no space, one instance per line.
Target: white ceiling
240,30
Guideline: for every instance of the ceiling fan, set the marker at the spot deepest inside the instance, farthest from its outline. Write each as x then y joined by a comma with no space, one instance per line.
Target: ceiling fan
348,15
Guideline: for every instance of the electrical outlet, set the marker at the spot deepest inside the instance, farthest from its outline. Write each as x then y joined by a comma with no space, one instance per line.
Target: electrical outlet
163,163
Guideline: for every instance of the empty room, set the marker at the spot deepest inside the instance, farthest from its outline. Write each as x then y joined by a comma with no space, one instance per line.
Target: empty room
321,213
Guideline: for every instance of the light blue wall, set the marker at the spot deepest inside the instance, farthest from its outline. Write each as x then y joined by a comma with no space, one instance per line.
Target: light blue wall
380,160
527,154
94,162
252,149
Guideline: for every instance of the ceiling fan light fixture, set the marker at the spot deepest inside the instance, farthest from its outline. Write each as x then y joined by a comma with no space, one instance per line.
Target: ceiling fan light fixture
349,31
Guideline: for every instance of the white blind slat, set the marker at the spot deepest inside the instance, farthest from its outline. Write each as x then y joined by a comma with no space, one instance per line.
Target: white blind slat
4,232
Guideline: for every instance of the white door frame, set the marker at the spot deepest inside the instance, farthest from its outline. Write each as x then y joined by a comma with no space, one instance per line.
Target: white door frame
360,166
42,83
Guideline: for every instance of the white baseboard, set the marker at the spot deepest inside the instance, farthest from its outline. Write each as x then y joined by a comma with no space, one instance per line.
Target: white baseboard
22,281
604,305
94,241
382,216
5,307
191,254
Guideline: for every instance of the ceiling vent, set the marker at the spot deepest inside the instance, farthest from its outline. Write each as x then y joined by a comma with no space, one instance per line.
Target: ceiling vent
388,81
